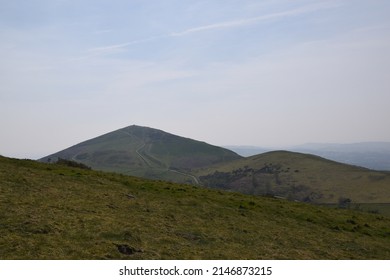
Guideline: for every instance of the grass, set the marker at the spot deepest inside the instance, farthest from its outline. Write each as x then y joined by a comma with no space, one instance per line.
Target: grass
145,152
58,212
376,208
300,177
154,154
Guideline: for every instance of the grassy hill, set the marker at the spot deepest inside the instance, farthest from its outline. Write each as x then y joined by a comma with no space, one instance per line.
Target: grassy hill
155,154
146,152
373,155
300,177
53,211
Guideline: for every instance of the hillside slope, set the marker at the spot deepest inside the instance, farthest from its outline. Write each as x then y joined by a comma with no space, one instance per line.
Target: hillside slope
59,212
146,152
373,155
300,177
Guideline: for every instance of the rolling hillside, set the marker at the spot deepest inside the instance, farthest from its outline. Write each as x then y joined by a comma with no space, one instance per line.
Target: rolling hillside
146,152
52,211
372,155
297,176
155,154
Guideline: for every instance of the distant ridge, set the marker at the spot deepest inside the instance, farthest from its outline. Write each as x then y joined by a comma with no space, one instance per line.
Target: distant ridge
146,152
373,155
299,176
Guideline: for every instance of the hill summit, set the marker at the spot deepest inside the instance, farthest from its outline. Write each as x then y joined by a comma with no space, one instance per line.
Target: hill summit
146,152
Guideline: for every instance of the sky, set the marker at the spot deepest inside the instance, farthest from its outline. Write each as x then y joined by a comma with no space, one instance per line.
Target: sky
227,72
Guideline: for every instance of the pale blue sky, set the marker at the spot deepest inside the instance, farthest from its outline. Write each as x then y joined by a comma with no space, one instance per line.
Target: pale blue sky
228,72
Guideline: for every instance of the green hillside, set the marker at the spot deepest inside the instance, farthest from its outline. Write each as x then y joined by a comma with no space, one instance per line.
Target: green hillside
146,152
53,211
300,177
155,154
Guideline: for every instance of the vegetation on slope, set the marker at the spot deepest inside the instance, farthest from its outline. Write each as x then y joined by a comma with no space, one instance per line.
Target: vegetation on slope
60,212
155,154
146,152
297,176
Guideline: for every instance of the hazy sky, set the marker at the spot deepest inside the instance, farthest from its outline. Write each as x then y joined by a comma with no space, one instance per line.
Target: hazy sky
238,72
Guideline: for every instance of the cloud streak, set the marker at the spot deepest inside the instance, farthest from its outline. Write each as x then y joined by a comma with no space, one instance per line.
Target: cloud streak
221,25
119,47
258,19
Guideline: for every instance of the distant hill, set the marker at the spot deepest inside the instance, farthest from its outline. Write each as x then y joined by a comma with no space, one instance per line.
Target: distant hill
372,155
298,176
247,151
56,211
146,152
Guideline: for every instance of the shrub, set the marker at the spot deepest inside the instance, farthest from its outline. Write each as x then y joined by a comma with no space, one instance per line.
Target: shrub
72,163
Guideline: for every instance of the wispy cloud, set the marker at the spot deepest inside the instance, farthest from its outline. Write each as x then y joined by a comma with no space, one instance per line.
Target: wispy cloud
119,47
220,25
258,19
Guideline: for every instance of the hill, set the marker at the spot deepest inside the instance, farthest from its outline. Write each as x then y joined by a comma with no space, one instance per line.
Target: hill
247,151
155,154
146,152
298,176
372,155
54,211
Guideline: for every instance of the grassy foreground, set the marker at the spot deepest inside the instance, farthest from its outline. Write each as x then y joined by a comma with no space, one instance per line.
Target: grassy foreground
58,212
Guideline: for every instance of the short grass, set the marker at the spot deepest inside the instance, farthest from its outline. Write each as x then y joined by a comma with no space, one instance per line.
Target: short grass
145,152
56,212
377,208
